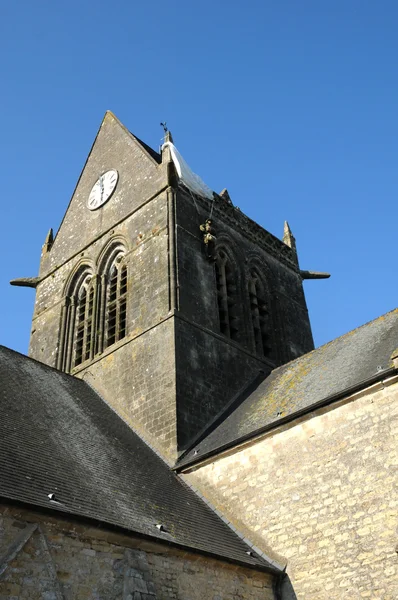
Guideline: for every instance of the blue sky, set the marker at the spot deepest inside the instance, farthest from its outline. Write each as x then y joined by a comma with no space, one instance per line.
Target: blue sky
292,106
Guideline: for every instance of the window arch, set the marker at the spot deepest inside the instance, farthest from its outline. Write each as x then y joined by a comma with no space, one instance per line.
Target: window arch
84,322
115,300
227,296
78,321
94,310
260,314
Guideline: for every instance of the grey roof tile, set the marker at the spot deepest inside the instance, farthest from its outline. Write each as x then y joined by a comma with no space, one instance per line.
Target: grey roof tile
301,384
59,437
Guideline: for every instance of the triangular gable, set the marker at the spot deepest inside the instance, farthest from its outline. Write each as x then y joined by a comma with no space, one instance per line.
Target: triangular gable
140,176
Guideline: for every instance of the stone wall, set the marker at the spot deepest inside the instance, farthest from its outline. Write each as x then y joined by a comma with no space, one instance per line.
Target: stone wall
138,381
248,245
59,560
137,374
211,368
144,235
321,492
210,371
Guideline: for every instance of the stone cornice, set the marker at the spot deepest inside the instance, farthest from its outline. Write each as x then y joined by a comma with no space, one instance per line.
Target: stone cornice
233,216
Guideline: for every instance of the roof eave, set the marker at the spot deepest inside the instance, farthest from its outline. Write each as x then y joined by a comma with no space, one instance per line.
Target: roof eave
188,464
58,513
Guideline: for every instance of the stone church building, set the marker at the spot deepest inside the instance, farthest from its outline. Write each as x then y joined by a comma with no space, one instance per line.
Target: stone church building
173,433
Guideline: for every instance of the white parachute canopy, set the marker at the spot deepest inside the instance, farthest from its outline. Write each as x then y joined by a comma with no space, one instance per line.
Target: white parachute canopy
192,181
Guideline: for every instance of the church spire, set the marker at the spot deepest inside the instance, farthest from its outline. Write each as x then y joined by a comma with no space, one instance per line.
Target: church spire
168,137
48,242
289,239
167,140
172,175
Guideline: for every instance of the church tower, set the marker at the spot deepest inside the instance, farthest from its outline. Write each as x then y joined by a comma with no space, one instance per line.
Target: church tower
169,303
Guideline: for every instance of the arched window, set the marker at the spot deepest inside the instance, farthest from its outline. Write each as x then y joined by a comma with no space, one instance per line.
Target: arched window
226,295
94,311
78,321
115,301
84,322
260,314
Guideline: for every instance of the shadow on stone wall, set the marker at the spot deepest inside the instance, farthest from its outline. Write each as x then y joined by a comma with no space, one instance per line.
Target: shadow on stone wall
286,589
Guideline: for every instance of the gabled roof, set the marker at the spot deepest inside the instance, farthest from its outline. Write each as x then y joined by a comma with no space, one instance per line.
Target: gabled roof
323,375
57,436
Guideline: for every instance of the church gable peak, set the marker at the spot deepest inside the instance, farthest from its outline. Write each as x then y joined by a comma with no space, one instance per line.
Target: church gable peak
120,174
147,150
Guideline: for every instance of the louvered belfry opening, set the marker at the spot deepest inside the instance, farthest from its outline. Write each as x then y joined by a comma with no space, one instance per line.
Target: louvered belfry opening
226,296
82,328
77,321
94,311
112,307
80,315
260,315
89,324
116,302
123,302
80,334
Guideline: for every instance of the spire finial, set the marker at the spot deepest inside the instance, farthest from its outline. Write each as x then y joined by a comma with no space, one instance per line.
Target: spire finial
288,237
48,242
167,134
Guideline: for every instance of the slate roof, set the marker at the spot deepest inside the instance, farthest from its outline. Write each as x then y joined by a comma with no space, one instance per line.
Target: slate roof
325,373
57,436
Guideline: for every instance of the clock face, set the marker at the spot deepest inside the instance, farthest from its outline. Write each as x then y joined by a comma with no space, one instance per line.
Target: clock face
102,189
